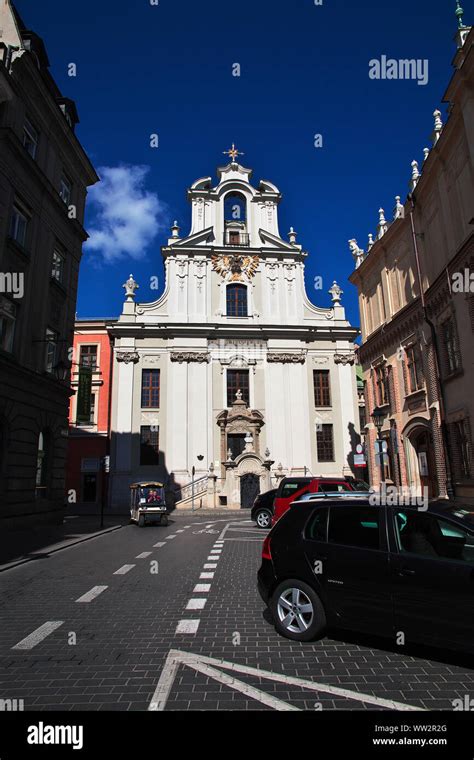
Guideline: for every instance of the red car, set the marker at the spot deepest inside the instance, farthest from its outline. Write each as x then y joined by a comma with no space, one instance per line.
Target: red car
292,488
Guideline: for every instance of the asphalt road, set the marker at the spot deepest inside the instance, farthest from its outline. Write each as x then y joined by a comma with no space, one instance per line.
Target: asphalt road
169,618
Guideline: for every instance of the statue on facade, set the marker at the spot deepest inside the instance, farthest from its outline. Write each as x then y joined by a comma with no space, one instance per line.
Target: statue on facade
130,287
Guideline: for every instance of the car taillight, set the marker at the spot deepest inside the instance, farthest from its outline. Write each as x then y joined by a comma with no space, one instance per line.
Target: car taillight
266,550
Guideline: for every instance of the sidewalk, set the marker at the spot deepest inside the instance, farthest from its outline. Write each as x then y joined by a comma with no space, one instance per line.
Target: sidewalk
20,546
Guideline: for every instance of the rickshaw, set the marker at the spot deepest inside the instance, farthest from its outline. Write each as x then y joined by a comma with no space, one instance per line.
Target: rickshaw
148,504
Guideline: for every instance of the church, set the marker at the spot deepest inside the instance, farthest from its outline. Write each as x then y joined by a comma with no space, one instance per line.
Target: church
233,378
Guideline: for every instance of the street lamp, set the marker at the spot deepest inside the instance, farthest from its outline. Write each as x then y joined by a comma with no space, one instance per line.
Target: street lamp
378,417
60,370
200,457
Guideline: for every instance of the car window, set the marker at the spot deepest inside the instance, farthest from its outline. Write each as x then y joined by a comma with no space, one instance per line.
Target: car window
431,536
316,529
355,526
333,487
290,488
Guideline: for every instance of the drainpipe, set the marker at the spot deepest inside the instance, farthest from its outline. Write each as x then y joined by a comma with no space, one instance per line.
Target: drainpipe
434,338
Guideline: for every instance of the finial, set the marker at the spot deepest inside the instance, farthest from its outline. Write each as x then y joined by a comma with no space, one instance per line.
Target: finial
399,210
130,287
438,126
267,453
426,152
382,225
175,230
336,293
371,242
233,153
292,236
459,14
415,175
229,455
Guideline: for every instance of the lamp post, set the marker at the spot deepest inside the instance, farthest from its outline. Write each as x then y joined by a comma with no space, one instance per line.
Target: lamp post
378,417
200,457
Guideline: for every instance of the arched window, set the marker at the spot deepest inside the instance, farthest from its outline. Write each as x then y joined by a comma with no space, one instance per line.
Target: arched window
235,208
237,301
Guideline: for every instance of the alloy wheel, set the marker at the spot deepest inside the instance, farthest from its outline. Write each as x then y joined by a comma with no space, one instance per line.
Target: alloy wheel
295,610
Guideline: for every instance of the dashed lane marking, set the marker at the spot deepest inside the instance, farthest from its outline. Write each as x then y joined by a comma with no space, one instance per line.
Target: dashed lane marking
159,544
124,569
206,576
212,558
39,634
196,604
201,588
210,566
143,555
187,626
92,594
168,538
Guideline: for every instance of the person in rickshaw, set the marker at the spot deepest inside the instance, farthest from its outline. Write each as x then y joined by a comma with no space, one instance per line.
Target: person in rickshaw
153,496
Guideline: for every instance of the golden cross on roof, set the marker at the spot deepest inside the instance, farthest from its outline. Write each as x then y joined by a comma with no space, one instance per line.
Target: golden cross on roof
233,152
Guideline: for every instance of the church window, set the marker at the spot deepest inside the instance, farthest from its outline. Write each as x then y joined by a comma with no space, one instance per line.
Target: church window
237,380
235,208
325,441
237,301
322,388
236,443
149,445
150,388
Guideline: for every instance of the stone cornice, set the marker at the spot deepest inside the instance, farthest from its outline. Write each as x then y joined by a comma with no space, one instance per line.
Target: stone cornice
344,359
127,357
274,358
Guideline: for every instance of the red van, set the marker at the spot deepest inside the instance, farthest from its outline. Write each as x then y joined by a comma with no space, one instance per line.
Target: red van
292,488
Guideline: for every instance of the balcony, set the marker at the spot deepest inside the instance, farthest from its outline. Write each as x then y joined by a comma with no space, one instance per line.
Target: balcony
235,239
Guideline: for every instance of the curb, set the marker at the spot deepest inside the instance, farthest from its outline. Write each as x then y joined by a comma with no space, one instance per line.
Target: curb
25,560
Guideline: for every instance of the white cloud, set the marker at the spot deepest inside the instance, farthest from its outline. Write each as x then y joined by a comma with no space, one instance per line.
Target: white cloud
127,217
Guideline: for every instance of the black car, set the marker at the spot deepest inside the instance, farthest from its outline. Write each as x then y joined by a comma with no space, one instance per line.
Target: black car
262,510
376,569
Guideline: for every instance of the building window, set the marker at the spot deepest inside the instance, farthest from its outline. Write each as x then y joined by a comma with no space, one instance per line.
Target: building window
57,266
7,324
30,138
236,444
88,357
149,445
381,386
235,208
42,464
150,388
65,190
451,346
362,418
19,226
462,453
51,350
322,387
414,369
237,380
237,301
325,442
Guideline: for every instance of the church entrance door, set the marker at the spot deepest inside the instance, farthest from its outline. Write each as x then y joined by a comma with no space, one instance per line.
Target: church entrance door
249,490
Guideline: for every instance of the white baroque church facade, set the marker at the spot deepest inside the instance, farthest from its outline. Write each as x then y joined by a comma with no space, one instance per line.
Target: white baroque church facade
232,378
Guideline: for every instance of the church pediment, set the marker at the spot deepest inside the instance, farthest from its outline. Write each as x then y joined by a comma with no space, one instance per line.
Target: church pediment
204,236
276,242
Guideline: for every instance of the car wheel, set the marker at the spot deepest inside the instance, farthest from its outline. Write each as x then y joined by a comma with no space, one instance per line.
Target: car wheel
141,521
297,611
263,518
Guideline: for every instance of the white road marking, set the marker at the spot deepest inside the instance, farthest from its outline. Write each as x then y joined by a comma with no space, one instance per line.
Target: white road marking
187,626
168,538
216,551
196,604
210,566
180,531
201,588
95,591
124,569
39,634
159,544
143,555
203,664
205,576
212,559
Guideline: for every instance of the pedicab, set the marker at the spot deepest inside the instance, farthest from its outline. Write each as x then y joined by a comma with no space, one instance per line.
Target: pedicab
148,503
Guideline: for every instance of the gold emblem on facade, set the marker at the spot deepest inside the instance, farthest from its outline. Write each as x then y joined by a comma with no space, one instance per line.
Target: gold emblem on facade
236,266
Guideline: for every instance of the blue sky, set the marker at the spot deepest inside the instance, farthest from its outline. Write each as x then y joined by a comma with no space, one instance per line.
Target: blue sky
167,69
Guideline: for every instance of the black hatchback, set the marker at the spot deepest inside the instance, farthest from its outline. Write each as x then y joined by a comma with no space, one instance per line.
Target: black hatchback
262,510
390,571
